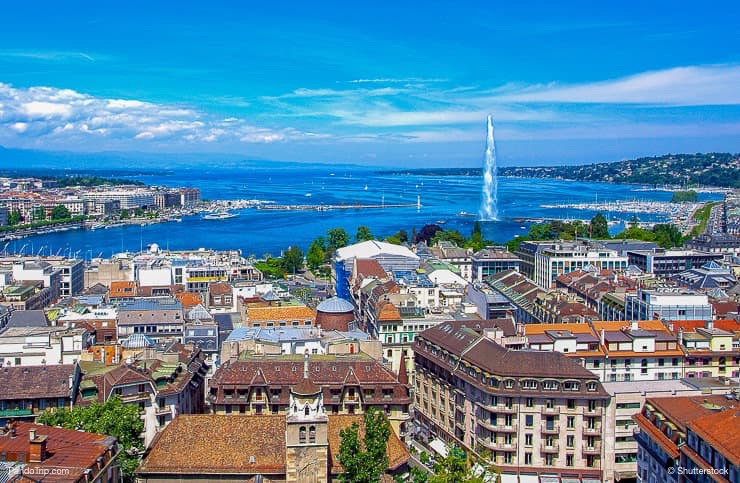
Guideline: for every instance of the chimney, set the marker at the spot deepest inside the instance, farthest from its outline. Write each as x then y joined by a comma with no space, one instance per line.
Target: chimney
680,336
37,447
305,364
601,337
710,324
634,325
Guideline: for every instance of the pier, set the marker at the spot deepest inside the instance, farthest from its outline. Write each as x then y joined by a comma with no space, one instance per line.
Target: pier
274,207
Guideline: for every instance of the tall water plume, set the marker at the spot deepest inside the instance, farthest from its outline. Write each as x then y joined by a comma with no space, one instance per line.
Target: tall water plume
489,201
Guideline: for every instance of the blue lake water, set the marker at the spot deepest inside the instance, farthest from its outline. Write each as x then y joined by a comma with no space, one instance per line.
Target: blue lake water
258,232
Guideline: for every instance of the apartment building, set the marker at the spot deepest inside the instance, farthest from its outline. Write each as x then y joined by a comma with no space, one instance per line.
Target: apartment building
158,318
564,257
350,384
712,347
667,263
692,439
35,346
533,414
667,304
492,260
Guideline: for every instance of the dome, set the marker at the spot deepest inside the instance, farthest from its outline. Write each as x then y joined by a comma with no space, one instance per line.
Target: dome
335,305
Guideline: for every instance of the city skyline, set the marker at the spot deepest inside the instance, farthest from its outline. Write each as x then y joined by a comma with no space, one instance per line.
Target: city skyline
375,85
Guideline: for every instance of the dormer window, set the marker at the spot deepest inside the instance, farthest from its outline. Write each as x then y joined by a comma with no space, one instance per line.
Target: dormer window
529,384
509,384
591,386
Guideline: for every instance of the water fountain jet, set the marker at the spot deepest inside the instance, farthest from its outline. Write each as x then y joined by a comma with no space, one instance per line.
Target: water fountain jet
489,201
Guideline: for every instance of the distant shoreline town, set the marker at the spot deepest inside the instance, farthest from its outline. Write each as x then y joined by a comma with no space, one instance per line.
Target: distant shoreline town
705,172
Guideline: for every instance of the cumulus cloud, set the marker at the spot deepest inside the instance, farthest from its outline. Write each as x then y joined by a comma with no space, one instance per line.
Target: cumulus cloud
49,116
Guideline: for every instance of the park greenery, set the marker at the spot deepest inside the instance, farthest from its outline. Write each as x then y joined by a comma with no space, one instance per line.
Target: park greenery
689,196
113,418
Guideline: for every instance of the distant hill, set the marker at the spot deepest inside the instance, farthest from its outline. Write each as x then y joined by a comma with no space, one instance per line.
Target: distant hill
684,170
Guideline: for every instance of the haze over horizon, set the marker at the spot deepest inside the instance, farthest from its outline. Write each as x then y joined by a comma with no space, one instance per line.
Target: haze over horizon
371,84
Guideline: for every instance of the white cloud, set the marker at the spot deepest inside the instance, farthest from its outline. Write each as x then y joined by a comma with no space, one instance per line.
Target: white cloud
64,118
679,86
392,80
37,109
19,126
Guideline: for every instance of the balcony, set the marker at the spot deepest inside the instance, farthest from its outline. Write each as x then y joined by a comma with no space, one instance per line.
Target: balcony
550,448
139,396
551,429
15,413
593,411
593,431
552,410
593,449
496,445
499,428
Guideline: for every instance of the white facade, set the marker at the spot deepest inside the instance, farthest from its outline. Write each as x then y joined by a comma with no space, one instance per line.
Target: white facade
129,199
568,257
35,346
667,304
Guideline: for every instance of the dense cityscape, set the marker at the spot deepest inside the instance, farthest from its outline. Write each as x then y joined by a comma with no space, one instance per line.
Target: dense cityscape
555,356
369,242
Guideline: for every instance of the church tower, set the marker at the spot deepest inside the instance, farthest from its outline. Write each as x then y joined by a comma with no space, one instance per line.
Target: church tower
306,433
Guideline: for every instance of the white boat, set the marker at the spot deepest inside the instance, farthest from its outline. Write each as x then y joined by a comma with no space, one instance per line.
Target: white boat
307,195
221,215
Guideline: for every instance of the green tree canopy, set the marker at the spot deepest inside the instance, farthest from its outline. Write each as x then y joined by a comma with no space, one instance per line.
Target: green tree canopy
363,234
14,217
366,462
458,467
316,253
113,418
599,227
292,260
337,238
60,212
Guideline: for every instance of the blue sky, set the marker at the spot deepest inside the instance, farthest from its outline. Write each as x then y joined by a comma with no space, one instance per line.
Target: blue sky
372,82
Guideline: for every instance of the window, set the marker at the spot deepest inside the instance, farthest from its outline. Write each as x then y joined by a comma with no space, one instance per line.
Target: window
530,402
529,384
529,420
302,435
528,439
569,460
312,434
527,458
570,441
571,422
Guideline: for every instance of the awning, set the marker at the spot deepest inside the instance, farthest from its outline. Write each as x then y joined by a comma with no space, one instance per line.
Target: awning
439,447
624,475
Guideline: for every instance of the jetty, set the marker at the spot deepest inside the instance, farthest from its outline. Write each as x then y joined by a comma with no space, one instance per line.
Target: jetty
322,207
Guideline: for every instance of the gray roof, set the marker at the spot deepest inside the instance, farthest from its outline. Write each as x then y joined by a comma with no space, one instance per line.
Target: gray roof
335,305
28,318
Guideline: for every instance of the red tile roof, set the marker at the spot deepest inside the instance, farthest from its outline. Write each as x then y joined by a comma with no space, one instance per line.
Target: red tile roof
73,450
722,431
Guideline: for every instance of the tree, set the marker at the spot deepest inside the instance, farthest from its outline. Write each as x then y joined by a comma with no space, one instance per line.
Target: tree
60,212
459,467
426,233
39,213
14,217
316,253
453,236
114,418
292,260
599,228
338,238
125,214
366,462
138,212
363,234
667,235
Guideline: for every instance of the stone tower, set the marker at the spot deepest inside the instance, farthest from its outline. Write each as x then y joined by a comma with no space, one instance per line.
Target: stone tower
307,453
